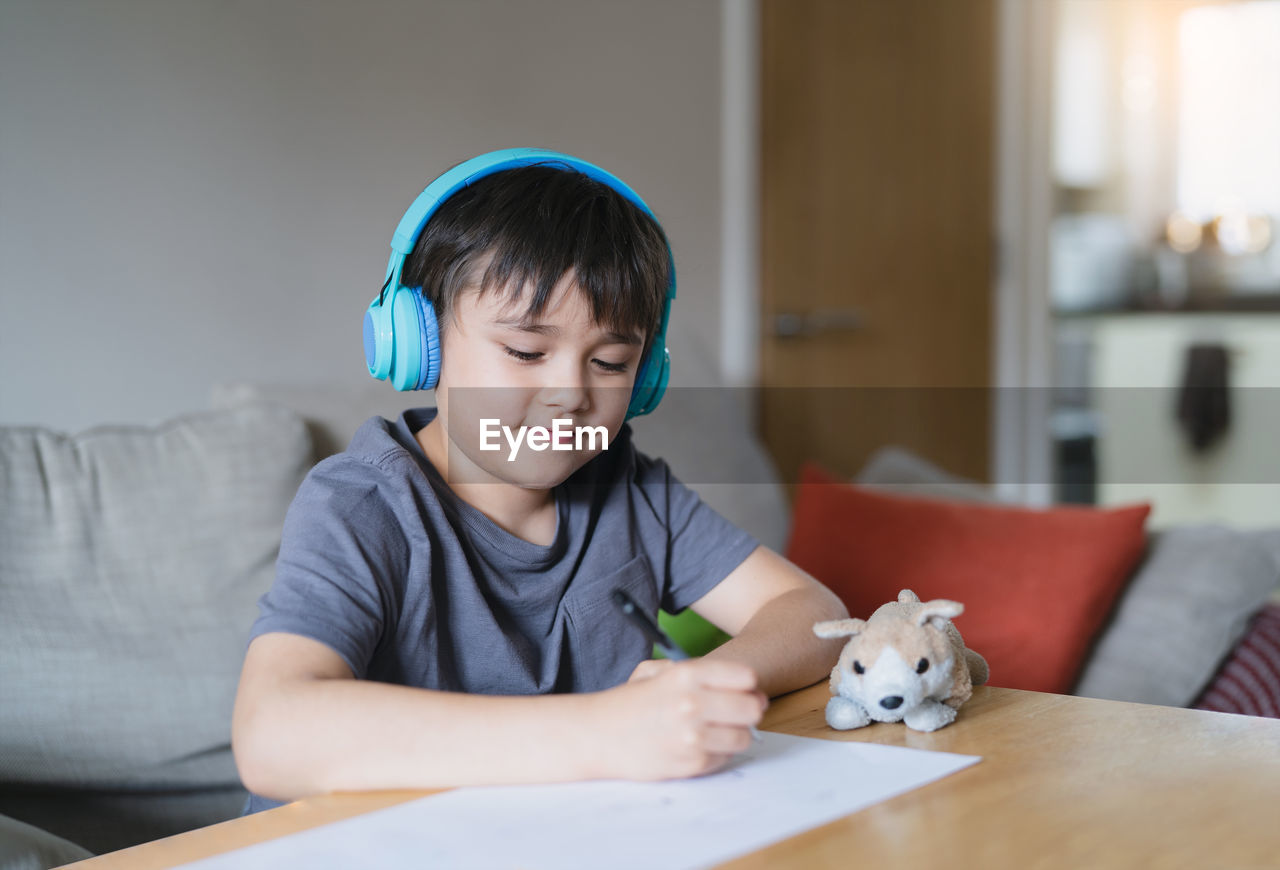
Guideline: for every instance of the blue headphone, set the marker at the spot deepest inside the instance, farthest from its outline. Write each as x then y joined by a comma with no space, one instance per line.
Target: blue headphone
401,334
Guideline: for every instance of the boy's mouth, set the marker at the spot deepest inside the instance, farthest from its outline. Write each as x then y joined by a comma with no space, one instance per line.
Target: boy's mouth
563,435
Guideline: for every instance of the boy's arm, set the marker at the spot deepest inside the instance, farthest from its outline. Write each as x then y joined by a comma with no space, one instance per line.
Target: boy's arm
769,606
302,725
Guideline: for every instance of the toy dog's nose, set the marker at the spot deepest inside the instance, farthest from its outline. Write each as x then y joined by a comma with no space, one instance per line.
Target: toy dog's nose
892,702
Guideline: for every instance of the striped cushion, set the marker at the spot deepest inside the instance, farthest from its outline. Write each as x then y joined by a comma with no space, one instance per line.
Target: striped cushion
1249,681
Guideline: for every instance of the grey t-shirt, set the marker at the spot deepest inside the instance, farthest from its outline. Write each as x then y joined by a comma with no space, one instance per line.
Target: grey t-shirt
411,585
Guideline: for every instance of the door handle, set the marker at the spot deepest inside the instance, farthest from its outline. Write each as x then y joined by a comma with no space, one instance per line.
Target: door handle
820,320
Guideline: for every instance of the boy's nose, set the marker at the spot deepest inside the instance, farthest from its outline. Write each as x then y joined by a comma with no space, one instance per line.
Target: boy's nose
568,392
568,399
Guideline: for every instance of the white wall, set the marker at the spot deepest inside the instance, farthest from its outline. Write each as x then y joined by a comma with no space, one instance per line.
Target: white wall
203,191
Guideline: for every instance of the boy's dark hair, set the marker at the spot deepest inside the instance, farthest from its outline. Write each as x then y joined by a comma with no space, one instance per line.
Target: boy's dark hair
540,222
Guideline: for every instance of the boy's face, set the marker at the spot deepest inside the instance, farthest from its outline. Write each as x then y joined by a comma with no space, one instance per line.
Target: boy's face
498,362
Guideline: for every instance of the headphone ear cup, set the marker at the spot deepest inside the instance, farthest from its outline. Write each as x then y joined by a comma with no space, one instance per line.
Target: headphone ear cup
407,352
651,383
430,338
378,340
402,340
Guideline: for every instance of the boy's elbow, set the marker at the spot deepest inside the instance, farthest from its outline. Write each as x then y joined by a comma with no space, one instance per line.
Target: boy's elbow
255,771
834,606
824,603
258,745
250,747
273,737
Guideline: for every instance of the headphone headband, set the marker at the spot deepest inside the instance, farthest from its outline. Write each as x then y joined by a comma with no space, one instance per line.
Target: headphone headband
469,171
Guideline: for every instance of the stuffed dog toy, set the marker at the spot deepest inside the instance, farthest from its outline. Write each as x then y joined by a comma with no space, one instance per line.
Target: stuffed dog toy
907,663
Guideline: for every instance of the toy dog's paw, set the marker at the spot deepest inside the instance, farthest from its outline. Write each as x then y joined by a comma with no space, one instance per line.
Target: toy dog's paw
930,716
844,714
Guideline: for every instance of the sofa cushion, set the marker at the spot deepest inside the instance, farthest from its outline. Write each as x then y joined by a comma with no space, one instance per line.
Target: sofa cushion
26,847
897,469
1269,540
1186,608
1036,584
131,560
332,413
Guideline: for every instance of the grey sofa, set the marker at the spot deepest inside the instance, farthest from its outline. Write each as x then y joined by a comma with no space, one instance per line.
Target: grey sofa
131,559
130,563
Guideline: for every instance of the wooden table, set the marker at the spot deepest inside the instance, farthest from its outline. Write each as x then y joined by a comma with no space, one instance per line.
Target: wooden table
1064,782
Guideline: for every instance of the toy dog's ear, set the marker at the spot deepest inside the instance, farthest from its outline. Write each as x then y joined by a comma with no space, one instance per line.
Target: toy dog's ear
938,611
906,596
840,628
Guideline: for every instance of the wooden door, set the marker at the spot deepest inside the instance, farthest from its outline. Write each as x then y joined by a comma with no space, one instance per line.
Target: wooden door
877,225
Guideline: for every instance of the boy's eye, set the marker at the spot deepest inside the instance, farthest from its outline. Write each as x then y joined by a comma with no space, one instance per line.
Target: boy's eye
531,356
522,355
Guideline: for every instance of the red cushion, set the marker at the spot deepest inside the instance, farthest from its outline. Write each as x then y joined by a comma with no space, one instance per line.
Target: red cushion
1036,584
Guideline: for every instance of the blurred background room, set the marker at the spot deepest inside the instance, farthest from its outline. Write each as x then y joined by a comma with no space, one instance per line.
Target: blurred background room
1164,277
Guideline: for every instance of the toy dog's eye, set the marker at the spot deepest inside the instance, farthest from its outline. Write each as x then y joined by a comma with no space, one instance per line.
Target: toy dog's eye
922,666
858,668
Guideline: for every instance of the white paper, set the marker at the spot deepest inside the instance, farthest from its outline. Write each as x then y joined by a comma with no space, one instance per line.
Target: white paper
780,787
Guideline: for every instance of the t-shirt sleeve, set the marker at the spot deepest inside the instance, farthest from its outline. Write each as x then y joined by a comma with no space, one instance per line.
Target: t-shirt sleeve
340,549
701,546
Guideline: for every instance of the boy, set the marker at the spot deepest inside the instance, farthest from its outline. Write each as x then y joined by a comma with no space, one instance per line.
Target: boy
441,613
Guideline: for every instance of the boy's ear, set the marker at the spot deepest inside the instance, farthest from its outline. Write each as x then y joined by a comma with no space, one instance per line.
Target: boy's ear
840,628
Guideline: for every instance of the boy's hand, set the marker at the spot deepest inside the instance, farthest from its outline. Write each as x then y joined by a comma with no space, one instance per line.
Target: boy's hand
678,719
649,668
